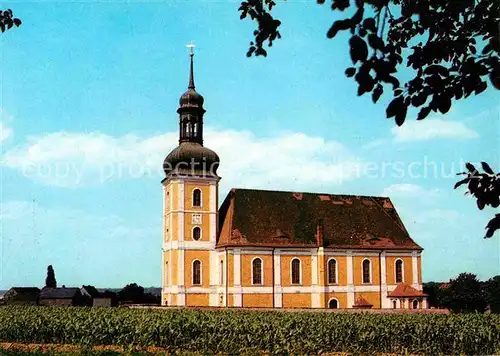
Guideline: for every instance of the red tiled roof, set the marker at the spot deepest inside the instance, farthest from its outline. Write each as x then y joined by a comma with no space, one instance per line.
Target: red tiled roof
404,290
362,303
275,218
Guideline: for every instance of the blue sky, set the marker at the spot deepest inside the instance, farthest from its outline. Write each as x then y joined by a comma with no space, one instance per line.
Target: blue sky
89,92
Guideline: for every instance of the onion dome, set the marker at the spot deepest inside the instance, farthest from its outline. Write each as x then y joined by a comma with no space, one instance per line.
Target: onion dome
191,158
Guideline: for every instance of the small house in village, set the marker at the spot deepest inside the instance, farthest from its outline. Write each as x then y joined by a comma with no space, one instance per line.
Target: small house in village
61,297
94,298
21,296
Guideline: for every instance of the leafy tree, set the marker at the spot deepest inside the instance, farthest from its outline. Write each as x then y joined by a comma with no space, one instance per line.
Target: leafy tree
150,298
50,281
493,293
465,294
485,187
7,20
452,47
131,293
435,294
134,293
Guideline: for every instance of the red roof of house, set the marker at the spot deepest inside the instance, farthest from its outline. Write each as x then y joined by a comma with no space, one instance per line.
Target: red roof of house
275,218
362,303
405,290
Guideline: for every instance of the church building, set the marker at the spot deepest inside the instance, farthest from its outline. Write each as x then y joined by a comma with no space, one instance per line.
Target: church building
276,249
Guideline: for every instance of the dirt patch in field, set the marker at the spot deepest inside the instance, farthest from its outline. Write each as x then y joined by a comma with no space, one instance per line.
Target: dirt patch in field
69,348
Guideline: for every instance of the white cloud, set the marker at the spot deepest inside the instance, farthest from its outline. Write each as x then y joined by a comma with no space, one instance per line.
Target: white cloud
14,210
432,129
5,132
410,191
75,159
374,144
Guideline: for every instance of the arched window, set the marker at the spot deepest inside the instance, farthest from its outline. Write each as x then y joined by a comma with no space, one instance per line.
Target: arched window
196,233
333,304
394,304
415,304
196,197
257,271
332,271
196,272
366,271
295,271
399,271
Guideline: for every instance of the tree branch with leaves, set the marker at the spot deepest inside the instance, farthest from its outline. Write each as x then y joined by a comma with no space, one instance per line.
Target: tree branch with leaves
7,20
485,188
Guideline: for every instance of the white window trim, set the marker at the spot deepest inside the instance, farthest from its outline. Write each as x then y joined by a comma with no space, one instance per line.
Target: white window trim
300,272
402,271
192,273
201,233
338,303
336,271
192,198
369,270
261,271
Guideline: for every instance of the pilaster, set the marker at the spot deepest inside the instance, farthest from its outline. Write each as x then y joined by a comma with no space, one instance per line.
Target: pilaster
383,272
414,269
350,280
315,296
237,297
278,296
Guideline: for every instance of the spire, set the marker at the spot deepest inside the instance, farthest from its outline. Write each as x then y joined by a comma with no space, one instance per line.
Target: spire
191,109
191,75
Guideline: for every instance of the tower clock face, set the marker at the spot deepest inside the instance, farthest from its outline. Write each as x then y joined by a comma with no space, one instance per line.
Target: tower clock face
196,219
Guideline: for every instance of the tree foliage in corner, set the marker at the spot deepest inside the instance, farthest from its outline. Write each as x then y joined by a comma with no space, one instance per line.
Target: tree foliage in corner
485,188
452,47
50,281
7,20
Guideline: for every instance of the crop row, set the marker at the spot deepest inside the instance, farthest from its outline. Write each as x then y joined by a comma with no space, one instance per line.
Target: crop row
232,331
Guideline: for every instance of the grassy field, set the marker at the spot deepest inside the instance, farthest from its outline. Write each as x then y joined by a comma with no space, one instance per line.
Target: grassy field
235,332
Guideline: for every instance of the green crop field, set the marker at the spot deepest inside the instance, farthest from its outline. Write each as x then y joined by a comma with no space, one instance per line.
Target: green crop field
232,331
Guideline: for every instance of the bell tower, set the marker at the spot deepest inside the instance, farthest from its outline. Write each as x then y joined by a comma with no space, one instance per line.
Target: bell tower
190,195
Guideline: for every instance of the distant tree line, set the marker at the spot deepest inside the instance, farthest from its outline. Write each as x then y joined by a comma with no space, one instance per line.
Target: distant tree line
465,293
135,294
132,293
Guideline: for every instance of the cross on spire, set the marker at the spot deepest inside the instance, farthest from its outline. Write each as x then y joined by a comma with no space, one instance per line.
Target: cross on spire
191,46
